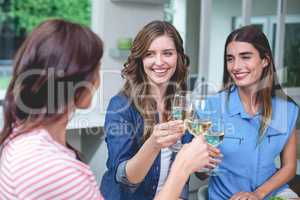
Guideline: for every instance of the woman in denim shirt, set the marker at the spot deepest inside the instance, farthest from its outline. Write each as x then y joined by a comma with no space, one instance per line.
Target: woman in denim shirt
137,129
260,121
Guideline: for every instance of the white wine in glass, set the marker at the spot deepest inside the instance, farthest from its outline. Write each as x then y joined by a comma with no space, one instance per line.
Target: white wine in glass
177,112
196,126
214,138
179,109
205,124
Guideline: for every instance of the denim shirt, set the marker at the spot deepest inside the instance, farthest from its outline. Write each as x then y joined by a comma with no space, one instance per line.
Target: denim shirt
248,164
124,128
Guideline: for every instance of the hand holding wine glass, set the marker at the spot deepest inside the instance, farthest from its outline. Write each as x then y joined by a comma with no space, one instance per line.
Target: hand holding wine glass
205,123
179,111
166,134
215,137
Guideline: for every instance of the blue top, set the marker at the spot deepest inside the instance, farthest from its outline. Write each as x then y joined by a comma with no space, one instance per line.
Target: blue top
124,128
246,163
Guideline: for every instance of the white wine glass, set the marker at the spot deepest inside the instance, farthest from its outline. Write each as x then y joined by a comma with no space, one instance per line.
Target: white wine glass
180,109
215,137
203,111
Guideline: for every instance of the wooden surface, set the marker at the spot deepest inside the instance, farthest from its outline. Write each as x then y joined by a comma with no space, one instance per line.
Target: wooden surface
295,184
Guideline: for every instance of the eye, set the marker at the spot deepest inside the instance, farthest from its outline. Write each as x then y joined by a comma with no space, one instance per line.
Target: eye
168,53
149,54
246,57
229,59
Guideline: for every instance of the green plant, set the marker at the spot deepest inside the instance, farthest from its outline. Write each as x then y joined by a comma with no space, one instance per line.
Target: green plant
2,17
3,14
29,13
276,198
291,55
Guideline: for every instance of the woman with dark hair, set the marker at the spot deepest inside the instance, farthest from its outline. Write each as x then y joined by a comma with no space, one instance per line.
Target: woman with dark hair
263,123
137,126
56,70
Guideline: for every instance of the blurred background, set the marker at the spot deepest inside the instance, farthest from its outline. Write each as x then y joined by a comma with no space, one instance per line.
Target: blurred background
203,25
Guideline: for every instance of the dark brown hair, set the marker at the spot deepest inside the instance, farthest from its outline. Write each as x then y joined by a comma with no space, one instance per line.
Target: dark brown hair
54,58
137,86
268,85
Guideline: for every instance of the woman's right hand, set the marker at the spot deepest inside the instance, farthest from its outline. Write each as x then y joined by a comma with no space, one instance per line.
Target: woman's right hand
215,158
197,155
166,134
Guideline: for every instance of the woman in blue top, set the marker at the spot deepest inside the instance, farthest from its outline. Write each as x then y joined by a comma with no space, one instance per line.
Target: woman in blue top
260,123
137,128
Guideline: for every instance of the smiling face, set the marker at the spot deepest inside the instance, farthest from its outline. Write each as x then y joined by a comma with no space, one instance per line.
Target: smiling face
244,63
160,60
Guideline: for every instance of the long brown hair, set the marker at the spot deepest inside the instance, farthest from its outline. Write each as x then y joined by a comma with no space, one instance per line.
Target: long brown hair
268,84
137,86
56,55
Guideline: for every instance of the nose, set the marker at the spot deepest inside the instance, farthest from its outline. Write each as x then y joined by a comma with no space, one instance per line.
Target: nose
236,64
158,59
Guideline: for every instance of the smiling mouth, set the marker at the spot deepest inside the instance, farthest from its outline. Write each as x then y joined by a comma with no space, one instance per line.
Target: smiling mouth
240,75
160,71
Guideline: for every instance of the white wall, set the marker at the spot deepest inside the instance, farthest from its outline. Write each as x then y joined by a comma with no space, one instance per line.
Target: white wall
179,20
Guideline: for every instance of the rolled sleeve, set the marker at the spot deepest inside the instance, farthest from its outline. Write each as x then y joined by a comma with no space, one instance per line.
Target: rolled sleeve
185,192
121,177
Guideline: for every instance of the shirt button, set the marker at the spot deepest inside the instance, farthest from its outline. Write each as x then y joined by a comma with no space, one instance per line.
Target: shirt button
153,187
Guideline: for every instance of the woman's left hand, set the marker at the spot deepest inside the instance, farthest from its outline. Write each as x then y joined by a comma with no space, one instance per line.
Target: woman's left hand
245,196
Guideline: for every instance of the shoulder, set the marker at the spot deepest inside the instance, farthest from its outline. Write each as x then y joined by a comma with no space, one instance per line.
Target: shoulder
121,106
71,178
284,113
26,146
218,99
36,144
59,162
50,161
120,101
224,95
280,104
71,164
36,155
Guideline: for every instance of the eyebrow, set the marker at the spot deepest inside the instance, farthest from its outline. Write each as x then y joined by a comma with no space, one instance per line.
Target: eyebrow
149,50
247,53
169,50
